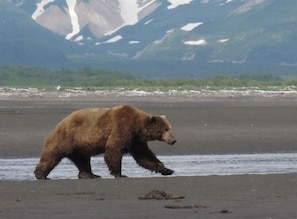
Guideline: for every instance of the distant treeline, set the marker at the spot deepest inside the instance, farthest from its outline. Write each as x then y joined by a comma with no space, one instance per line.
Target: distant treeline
103,79
32,76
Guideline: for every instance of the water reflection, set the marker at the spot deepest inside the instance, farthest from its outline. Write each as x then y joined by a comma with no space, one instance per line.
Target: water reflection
184,165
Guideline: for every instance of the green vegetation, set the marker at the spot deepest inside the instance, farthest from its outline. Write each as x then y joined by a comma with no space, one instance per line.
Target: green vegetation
27,76
99,79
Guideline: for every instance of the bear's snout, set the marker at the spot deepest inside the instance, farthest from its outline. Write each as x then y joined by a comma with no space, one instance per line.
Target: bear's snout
171,142
169,138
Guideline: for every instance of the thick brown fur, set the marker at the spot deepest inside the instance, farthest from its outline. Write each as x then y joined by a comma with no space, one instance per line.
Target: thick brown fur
112,131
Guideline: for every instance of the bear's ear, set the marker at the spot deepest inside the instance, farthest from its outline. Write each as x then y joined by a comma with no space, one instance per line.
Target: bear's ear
163,116
152,119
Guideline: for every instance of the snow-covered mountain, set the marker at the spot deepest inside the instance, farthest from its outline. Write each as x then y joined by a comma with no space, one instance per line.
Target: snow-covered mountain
186,36
71,18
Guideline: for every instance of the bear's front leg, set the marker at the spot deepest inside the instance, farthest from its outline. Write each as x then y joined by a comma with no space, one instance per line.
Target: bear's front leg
163,170
148,160
48,160
113,159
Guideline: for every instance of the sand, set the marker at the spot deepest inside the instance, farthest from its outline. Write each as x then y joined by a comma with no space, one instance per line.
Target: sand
202,125
269,196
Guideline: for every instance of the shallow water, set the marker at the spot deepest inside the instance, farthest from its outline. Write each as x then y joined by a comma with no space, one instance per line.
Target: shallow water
183,165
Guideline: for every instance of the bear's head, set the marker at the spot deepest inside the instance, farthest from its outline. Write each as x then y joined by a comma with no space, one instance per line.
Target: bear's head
159,128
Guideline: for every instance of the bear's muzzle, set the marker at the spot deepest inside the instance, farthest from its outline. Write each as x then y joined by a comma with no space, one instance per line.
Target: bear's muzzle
169,138
171,142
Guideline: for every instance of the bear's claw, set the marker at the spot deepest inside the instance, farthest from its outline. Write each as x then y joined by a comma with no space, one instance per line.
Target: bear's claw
39,174
121,176
166,172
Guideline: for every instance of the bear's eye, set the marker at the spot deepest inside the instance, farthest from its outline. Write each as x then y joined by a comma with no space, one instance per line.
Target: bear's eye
166,130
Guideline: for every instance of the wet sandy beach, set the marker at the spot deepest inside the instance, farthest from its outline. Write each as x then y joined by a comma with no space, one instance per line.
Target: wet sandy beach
202,125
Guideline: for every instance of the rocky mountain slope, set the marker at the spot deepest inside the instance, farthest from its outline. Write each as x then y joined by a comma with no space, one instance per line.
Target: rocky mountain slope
156,37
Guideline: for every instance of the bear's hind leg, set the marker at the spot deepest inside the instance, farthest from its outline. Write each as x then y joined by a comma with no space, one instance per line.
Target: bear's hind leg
84,166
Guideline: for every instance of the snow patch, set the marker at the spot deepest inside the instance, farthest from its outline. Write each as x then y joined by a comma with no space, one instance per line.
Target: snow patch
223,40
74,19
79,38
134,42
149,21
159,41
40,8
170,31
191,26
111,40
226,2
176,3
129,10
114,39
201,42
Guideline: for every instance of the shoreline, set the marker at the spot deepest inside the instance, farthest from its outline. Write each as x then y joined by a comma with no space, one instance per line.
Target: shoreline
16,93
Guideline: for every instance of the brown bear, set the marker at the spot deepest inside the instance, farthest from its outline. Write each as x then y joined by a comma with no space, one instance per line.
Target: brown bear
112,131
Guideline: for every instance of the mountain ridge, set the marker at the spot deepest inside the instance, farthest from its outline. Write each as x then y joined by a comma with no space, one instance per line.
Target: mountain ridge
252,36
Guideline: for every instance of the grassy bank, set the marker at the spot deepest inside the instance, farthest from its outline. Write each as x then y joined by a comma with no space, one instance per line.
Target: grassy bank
98,79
